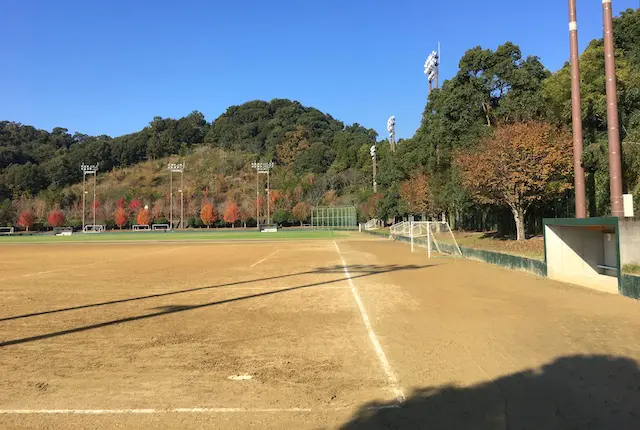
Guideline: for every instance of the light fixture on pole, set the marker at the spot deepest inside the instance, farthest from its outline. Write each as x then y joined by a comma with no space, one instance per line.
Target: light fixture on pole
391,128
373,159
88,169
431,68
176,168
262,168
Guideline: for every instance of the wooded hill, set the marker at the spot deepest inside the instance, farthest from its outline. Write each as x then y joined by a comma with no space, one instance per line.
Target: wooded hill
497,99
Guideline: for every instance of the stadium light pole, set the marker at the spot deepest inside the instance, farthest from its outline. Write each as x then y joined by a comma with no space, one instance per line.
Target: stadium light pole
615,162
431,68
576,114
176,168
88,169
262,168
391,128
373,159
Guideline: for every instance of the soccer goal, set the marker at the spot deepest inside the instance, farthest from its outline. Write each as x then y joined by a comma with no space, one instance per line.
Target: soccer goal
141,227
435,236
160,227
373,224
94,228
6,230
63,231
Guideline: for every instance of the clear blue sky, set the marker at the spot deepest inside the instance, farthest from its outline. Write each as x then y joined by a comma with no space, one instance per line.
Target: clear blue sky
109,67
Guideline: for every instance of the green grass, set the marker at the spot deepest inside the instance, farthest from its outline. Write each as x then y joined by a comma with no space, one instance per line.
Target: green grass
633,269
199,235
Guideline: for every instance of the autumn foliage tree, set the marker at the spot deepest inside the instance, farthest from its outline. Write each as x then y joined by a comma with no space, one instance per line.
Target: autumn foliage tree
518,165
134,205
26,219
144,217
56,218
416,194
120,217
231,213
302,212
207,214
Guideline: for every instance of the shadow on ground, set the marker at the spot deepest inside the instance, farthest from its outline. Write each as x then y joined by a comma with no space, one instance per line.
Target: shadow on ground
576,392
355,271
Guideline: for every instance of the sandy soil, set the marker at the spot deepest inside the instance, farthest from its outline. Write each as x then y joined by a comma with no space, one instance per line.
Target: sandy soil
146,334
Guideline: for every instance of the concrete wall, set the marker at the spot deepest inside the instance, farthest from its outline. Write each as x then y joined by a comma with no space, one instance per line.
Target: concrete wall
574,253
629,242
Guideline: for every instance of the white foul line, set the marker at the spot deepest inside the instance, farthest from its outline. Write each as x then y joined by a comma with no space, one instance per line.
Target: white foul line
178,410
391,378
258,262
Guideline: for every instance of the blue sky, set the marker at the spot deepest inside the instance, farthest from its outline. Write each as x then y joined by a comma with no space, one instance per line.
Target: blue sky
109,67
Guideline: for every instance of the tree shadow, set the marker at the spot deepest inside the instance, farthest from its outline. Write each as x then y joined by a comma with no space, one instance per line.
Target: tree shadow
363,270
574,392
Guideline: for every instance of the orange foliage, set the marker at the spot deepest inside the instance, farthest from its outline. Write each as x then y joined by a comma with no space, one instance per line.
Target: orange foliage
231,213
207,214
416,194
302,211
120,217
144,217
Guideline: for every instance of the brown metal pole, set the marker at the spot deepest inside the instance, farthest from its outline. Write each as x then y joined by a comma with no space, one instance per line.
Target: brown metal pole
615,162
576,111
430,87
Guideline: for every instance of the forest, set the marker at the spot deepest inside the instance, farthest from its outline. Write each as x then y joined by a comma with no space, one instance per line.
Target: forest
493,152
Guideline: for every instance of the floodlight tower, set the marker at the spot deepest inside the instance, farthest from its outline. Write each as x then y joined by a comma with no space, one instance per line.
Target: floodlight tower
431,68
391,128
88,169
176,168
615,162
262,168
576,113
373,159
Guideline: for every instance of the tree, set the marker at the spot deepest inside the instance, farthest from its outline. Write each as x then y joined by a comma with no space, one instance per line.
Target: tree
302,212
144,217
120,217
207,214
7,213
416,194
519,165
134,205
56,218
121,203
231,213
26,219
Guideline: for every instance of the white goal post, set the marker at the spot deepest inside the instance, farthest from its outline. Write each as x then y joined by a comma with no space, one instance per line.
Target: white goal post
141,227
94,228
63,231
162,227
6,230
435,236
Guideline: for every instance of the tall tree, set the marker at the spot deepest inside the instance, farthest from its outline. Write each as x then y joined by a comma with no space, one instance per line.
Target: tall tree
519,165
231,213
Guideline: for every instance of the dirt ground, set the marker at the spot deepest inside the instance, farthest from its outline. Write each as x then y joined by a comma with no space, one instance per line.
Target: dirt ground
279,335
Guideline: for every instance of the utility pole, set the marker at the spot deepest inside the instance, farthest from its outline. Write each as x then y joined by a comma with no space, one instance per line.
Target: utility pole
615,162
373,159
576,113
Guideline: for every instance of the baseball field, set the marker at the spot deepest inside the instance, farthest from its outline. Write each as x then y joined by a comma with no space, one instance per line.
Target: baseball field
313,330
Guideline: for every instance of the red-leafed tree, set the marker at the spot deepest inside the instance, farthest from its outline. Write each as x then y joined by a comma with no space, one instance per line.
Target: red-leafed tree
207,214
121,203
56,218
134,205
519,165
120,217
26,219
231,213
302,212
144,217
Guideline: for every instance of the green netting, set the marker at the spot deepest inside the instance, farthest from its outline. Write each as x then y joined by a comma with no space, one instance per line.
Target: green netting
334,218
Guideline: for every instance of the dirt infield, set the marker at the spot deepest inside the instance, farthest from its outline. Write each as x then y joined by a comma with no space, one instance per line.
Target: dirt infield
352,333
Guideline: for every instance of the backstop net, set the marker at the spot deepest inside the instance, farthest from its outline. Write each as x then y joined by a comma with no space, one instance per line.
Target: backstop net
334,218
